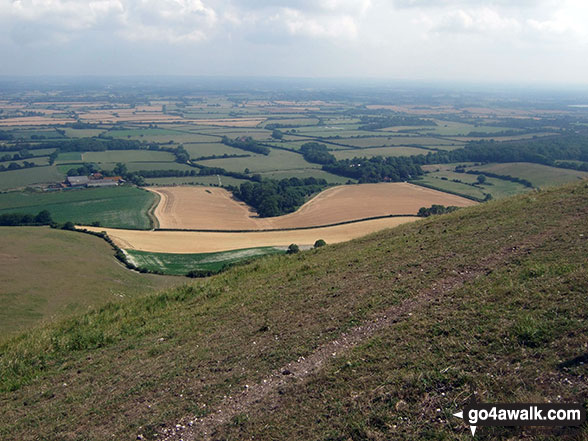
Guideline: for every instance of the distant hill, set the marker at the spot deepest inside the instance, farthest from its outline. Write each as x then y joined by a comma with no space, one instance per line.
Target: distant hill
379,338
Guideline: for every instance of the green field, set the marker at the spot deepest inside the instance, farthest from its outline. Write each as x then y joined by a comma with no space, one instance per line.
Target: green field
307,173
181,264
117,207
29,176
256,163
498,188
127,156
46,273
197,150
136,166
83,133
394,141
197,180
539,175
379,151
69,157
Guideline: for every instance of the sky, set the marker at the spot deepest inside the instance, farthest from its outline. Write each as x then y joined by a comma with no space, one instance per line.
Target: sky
491,41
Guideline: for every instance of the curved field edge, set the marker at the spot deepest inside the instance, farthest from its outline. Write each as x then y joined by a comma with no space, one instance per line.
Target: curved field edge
215,209
192,242
151,211
126,368
47,273
183,264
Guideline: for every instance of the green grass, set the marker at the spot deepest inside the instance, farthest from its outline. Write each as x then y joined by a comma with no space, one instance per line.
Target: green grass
69,157
511,334
394,141
209,149
29,176
539,175
196,180
275,161
379,151
117,207
181,264
498,188
306,173
127,156
48,273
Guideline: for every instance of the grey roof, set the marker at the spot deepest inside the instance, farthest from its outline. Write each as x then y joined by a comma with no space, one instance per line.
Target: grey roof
77,180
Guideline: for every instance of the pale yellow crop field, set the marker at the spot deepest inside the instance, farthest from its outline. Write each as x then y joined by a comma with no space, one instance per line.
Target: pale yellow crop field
206,208
207,242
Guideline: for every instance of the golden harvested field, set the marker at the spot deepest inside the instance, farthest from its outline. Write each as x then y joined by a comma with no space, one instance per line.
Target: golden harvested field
207,208
208,242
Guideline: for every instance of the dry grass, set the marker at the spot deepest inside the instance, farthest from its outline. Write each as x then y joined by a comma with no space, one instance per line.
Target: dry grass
215,208
207,242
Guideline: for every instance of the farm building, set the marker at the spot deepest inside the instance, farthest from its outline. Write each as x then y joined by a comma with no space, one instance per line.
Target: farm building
102,183
92,181
77,181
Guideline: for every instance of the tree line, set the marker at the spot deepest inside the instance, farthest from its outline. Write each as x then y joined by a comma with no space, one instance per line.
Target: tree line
17,219
246,143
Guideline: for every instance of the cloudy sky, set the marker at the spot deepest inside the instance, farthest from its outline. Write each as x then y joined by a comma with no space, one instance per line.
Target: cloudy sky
521,41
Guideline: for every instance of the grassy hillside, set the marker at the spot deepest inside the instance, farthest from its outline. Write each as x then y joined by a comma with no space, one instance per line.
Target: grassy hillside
46,273
490,298
116,207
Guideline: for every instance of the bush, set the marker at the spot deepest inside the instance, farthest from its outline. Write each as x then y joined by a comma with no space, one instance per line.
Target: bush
319,243
69,225
293,249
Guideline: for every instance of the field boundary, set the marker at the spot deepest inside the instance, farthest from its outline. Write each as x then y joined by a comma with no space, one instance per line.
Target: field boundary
151,211
432,187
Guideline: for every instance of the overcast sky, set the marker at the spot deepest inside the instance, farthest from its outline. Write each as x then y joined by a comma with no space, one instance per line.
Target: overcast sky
521,41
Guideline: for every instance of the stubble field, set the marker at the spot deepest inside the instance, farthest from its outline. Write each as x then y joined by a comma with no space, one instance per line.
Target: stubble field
208,242
202,208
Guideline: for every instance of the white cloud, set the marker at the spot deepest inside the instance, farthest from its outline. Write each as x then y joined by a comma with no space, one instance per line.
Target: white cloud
484,20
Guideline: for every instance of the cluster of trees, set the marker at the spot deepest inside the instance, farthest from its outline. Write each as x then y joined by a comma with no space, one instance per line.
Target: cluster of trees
16,166
167,173
545,150
317,153
435,209
377,169
81,125
16,219
246,143
22,154
375,123
274,198
225,156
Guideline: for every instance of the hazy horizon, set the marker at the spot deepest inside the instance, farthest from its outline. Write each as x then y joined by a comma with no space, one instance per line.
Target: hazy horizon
527,43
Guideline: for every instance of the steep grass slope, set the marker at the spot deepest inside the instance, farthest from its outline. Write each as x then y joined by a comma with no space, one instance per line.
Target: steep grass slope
47,273
379,338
